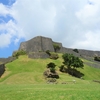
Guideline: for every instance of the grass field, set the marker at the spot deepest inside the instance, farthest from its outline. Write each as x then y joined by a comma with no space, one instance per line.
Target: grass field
50,92
23,80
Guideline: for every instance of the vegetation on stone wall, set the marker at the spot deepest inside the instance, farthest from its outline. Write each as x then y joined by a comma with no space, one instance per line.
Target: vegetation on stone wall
76,50
97,58
56,47
18,53
52,55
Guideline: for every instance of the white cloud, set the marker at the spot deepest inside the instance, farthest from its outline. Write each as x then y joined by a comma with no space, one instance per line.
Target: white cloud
8,33
90,41
74,23
4,10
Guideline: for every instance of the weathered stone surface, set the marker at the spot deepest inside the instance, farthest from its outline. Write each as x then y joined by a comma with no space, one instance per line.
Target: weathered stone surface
7,60
37,44
89,53
2,69
40,43
49,74
36,55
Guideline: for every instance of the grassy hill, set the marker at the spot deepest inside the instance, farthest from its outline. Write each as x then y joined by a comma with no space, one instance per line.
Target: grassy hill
23,80
26,70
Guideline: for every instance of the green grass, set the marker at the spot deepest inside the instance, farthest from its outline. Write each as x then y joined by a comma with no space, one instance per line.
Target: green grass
50,92
25,70
23,80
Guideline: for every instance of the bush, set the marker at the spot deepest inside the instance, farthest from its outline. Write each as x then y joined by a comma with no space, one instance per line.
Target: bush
51,71
96,58
54,56
18,53
48,52
62,68
56,47
76,50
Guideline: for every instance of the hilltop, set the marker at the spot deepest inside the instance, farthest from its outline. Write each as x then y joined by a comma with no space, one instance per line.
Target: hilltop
29,68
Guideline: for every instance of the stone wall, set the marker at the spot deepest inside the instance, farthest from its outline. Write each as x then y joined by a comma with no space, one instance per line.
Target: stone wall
37,44
36,55
2,69
7,60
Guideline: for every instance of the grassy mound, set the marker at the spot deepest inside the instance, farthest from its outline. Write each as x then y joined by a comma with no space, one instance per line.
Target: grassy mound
25,70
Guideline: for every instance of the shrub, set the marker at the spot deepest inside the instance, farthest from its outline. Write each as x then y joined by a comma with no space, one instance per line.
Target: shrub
48,52
62,68
54,56
51,71
56,47
18,53
76,50
96,58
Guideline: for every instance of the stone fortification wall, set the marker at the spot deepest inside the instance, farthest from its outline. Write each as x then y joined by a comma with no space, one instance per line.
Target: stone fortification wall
41,44
2,69
37,44
7,60
89,53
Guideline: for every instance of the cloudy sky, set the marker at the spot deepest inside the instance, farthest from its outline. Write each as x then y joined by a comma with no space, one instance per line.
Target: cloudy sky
74,23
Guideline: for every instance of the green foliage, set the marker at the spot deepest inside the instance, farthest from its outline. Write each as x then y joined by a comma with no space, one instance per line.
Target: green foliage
62,68
48,52
96,58
54,56
56,47
51,66
72,62
76,50
18,53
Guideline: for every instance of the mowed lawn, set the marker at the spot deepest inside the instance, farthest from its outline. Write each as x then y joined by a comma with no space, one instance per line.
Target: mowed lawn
23,80
50,92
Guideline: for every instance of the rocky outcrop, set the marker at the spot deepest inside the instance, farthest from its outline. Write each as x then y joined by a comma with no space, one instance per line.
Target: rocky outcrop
49,74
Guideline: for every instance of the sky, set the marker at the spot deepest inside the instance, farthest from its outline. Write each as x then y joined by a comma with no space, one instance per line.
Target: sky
74,23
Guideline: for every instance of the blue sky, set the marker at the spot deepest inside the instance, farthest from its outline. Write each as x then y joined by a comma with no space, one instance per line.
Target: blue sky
74,23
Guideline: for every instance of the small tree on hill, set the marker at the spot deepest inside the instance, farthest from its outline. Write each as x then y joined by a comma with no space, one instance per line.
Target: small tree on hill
51,71
56,47
72,62
51,66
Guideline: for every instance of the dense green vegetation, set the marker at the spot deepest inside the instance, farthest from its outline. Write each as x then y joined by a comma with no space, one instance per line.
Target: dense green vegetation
71,63
23,80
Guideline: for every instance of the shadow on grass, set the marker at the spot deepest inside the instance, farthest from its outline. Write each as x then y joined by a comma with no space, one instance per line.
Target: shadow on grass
75,73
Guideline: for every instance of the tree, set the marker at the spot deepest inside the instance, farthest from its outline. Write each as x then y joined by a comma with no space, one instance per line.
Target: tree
76,50
51,66
56,47
51,71
72,62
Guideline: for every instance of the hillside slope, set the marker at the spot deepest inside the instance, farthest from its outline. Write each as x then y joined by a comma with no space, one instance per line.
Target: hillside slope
25,70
